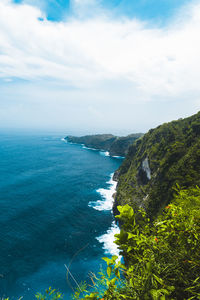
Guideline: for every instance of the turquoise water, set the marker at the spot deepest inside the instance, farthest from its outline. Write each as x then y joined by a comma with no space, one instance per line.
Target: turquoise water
48,191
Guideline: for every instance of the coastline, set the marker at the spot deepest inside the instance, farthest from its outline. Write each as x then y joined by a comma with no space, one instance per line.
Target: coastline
106,204
101,151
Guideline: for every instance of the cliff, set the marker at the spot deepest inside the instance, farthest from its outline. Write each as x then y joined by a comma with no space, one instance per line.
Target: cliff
108,142
163,157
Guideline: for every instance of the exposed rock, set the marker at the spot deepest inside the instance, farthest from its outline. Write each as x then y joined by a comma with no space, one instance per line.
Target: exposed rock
144,172
146,168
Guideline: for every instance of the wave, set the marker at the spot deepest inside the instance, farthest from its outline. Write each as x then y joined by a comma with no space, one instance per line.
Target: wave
107,196
108,240
101,151
84,147
64,140
104,153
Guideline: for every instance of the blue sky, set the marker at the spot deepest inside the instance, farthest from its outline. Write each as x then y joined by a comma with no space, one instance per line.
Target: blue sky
55,10
155,10
88,66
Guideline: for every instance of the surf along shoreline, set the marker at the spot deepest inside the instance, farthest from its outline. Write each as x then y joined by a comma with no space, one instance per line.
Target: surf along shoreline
106,203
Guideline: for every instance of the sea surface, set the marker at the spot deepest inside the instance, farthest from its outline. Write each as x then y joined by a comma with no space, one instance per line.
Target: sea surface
55,210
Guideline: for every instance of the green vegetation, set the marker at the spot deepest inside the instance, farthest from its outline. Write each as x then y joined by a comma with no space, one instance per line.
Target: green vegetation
50,294
108,142
173,154
162,257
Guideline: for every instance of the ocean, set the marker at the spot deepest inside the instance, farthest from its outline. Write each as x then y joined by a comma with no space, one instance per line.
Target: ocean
55,210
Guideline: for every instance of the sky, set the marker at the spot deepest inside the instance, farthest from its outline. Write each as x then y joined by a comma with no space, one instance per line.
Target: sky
98,66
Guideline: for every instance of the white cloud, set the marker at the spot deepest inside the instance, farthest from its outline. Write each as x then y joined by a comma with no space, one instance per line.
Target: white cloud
156,60
153,64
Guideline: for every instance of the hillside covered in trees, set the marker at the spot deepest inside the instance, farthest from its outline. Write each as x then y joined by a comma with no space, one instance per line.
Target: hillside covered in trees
163,157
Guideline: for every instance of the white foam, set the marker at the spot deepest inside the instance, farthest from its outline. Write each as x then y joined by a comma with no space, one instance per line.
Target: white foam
104,153
84,147
106,203
64,140
108,240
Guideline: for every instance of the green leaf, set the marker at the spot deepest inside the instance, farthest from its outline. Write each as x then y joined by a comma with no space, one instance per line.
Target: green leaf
107,260
130,235
159,280
109,271
114,258
117,273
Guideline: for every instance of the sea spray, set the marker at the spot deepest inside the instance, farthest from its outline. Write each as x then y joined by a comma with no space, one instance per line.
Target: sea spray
106,203
88,148
104,153
64,140
108,240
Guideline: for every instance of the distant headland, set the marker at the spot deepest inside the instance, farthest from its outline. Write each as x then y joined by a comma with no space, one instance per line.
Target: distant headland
115,145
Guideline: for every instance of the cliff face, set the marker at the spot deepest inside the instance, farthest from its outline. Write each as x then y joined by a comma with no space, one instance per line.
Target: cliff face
108,142
163,157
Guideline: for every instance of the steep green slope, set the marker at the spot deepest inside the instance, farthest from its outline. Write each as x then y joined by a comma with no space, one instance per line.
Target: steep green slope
121,144
108,142
163,157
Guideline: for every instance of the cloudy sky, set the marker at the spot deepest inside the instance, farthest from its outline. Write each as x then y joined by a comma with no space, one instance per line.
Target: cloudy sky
87,66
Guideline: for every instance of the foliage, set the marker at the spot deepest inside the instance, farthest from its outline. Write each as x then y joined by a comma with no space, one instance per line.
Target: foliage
81,289
107,284
162,257
50,294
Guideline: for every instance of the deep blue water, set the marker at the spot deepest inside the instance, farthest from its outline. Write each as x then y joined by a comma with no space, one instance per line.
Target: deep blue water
45,188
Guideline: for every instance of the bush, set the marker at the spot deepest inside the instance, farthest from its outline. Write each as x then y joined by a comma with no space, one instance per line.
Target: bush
162,257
